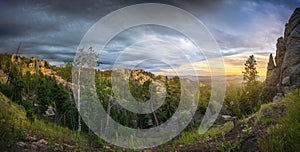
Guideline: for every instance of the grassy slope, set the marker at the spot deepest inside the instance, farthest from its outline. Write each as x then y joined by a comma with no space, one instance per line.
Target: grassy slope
14,127
275,127
285,134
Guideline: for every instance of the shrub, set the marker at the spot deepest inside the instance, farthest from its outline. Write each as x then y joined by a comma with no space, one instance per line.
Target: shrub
244,101
30,115
94,140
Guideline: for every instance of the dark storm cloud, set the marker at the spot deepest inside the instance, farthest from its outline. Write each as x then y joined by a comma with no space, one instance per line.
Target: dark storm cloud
53,29
12,30
8,31
37,24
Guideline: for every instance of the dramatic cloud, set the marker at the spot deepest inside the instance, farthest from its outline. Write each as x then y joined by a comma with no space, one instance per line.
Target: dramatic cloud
144,44
52,30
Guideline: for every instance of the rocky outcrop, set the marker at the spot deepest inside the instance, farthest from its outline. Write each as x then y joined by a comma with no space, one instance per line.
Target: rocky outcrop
284,74
273,78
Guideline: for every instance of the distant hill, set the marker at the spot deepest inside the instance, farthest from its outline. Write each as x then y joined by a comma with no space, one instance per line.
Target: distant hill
231,80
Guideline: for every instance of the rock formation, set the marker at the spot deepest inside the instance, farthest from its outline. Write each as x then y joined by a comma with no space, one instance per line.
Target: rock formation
284,74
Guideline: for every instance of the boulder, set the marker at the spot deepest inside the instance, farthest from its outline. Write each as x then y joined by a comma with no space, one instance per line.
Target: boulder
198,116
21,144
286,81
277,98
50,111
43,141
225,118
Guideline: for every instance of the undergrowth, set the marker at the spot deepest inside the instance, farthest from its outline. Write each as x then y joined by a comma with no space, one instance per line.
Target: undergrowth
15,127
285,136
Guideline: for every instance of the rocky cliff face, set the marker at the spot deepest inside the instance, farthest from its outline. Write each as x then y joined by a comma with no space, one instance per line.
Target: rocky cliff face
284,73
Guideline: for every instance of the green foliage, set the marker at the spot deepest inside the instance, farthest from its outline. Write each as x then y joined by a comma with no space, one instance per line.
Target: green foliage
43,95
9,117
226,146
60,98
247,128
94,140
246,100
194,136
205,93
64,72
285,136
35,91
5,62
30,115
32,87
6,89
269,121
250,72
14,127
140,91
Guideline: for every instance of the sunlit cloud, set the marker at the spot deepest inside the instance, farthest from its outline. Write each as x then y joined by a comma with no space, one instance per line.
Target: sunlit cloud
51,30
235,64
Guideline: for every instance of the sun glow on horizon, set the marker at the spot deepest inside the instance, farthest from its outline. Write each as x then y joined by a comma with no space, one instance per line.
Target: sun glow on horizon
233,65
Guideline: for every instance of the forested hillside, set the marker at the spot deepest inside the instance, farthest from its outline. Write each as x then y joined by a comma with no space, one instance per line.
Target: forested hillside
39,111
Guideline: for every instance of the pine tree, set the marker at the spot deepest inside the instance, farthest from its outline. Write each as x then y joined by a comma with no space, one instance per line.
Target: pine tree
250,72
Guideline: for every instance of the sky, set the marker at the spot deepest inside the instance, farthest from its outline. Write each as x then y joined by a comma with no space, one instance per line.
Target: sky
52,30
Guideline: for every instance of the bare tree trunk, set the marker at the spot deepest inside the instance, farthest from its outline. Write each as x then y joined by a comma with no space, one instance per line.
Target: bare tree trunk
107,117
155,117
78,100
154,114
64,120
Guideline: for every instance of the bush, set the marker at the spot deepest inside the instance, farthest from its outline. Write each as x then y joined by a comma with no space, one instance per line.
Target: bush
94,140
30,115
244,101
6,89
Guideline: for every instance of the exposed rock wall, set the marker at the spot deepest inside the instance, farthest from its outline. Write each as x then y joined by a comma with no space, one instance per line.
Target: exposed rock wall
284,74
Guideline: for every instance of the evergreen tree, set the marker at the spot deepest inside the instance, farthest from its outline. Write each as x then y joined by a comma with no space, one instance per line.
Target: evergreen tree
60,97
43,94
250,72
251,95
